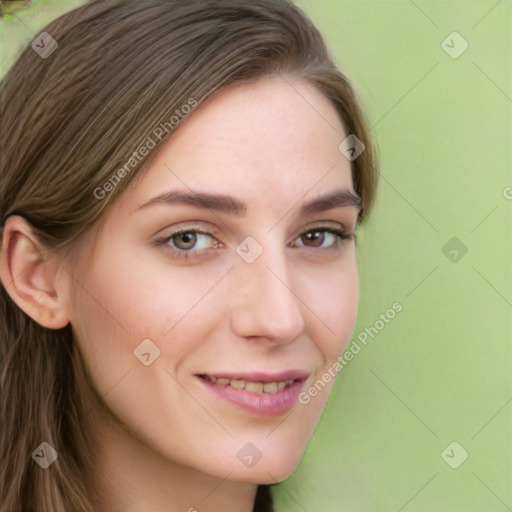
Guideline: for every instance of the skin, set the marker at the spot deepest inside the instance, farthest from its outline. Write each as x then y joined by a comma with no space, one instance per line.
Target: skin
165,442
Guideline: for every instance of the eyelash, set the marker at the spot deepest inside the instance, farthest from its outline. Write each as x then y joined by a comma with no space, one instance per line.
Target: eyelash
341,235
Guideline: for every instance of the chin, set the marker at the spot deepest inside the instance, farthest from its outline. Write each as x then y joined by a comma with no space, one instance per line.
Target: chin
267,472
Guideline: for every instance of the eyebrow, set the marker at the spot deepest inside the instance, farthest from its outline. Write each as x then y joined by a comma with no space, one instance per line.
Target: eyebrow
338,198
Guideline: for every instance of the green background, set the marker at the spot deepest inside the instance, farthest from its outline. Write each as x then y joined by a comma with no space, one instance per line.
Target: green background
440,371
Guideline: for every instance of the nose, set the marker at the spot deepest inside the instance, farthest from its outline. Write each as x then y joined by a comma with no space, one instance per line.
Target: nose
264,303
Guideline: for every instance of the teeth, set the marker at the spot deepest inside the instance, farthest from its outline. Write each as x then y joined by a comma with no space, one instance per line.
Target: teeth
281,385
252,387
237,384
270,387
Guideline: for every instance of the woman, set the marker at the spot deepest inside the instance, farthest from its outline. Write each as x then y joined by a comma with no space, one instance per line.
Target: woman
180,186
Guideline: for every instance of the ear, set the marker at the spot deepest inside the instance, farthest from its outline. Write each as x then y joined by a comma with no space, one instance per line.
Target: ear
32,276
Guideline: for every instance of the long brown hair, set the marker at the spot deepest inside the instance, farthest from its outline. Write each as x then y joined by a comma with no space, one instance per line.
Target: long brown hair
70,122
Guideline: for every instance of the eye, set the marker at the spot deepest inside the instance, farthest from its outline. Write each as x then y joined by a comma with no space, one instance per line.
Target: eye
189,240
323,238
187,243
193,243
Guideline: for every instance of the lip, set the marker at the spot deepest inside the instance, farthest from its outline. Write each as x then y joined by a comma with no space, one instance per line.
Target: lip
265,404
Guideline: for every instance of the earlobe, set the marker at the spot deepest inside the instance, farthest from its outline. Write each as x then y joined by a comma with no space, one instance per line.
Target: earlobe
32,276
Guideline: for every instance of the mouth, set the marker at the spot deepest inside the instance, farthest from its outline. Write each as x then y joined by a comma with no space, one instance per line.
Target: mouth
250,386
258,393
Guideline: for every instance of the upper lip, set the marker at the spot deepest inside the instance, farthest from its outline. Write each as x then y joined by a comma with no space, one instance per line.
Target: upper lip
257,376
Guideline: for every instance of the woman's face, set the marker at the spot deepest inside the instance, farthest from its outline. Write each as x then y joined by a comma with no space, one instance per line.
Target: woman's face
258,287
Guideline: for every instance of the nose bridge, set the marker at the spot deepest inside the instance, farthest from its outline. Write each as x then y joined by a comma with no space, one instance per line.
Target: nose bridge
266,304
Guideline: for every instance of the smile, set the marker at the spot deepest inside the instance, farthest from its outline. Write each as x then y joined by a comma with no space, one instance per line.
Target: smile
259,394
251,386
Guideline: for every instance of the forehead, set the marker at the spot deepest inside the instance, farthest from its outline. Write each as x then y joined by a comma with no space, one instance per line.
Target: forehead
267,142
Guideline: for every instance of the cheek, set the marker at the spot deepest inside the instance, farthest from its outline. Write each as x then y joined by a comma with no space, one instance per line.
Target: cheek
126,300
102,322
333,296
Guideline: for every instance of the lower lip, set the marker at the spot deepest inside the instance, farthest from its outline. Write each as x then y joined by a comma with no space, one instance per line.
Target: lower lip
264,404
